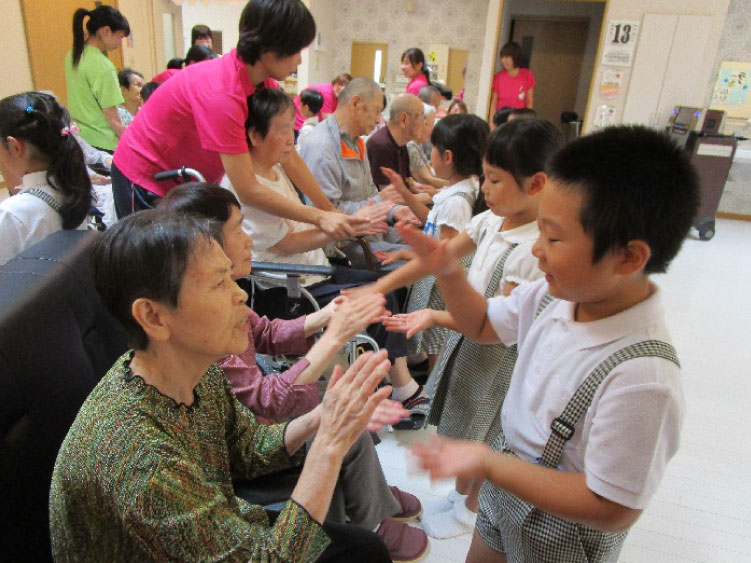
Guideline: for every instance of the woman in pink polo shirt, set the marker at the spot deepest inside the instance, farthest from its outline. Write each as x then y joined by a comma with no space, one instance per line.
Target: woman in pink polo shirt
330,92
196,119
513,86
414,67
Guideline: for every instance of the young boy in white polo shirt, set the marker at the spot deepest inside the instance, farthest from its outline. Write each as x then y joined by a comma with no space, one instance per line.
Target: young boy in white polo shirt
578,462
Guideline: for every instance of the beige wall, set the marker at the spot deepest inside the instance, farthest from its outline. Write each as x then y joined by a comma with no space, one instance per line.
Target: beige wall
138,52
458,24
321,60
635,10
15,69
144,49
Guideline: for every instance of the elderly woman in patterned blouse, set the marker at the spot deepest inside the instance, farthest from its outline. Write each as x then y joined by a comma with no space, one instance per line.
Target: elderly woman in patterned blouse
145,471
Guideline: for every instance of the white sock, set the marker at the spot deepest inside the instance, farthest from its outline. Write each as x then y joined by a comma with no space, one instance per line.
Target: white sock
455,522
444,504
405,392
436,505
455,496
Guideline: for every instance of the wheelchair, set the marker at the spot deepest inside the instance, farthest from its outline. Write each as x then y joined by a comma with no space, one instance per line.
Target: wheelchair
276,290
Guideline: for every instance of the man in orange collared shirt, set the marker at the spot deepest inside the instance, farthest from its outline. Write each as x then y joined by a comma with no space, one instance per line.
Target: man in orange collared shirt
335,153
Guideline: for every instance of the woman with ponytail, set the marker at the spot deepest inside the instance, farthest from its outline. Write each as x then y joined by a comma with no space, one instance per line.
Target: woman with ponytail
91,78
414,67
40,157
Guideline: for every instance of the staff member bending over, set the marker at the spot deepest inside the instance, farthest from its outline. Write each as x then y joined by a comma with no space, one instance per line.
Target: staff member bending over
196,119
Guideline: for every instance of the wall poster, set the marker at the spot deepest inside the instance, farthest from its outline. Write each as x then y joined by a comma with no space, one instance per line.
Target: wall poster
620,43
732,89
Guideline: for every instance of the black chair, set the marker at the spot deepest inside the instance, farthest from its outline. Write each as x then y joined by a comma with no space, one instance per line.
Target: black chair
56,341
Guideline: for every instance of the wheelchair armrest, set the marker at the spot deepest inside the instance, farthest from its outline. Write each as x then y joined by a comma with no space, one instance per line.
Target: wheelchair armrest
299,269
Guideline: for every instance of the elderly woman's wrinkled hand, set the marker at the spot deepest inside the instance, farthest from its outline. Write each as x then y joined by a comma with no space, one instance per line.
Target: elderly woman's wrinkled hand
353,314
351,400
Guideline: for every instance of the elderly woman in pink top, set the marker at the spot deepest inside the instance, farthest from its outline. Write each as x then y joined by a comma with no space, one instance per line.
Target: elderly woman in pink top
330,92
414,67
196,119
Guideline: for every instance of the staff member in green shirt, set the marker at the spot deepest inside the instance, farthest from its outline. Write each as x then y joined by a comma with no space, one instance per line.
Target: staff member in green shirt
91,78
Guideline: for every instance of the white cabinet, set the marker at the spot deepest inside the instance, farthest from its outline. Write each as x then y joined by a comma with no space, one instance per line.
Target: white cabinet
666,67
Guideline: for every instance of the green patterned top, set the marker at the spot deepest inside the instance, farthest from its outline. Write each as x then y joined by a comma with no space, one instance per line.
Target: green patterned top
140,478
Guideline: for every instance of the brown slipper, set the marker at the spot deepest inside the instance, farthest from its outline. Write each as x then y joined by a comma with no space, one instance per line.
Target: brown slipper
410,506
405,543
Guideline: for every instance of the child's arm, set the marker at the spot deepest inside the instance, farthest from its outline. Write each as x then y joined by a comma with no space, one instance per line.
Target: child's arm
560,493
417,321
412,323
387,258
414,270
417,207
469,308
493,104
424,175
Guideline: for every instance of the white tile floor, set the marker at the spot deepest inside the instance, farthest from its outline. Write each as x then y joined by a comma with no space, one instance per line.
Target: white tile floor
702,511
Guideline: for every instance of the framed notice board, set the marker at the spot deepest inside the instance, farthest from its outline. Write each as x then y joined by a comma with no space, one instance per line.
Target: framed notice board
732,89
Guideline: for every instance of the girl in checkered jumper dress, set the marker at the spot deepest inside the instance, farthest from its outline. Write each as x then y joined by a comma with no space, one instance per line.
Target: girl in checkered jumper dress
470,380
458,142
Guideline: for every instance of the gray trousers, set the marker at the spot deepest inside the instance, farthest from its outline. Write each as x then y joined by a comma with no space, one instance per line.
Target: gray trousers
361,493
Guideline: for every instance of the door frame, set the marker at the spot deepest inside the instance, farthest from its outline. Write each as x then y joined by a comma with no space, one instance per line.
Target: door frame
598,56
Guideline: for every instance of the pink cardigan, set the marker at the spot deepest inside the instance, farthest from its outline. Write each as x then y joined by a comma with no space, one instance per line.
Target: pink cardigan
273,397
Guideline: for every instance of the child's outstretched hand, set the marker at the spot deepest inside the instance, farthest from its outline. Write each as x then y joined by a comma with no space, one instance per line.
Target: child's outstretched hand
396,181
410,323
387,257
387,412
433,254
444,458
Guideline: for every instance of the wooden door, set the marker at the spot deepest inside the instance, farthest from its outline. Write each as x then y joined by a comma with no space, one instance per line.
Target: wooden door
457,62
49,35
557,51
364,56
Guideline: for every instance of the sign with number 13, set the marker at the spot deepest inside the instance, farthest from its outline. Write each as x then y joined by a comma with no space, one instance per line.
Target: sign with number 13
620,42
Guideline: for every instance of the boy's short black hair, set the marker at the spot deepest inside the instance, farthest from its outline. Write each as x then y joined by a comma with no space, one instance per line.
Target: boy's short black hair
263,105
523,147
501,116
522,112
146,254
636,184
464,134
283,27
313,99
